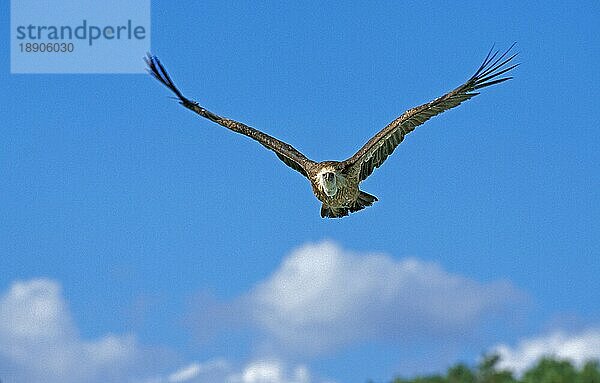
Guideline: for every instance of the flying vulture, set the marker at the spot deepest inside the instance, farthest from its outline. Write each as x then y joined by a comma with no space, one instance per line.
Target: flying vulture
336,183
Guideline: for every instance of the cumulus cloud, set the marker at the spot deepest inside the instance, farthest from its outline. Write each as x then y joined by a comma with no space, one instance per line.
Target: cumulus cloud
255,371
40,343
323,296
577,347
271,371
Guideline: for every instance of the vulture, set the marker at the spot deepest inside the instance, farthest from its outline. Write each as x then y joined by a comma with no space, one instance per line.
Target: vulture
336,183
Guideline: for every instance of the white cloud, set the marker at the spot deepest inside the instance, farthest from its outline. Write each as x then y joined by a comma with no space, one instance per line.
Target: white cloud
39,342
319,298
270,371
255,371
185,374
196,369
577,347
323,296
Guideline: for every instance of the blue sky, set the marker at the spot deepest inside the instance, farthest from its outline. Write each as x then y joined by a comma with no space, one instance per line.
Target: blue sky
167,245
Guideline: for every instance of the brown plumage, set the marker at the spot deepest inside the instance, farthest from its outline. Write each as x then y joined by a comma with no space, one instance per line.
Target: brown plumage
336,183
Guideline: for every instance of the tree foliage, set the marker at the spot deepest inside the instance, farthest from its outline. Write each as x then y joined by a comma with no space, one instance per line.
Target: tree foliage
547,370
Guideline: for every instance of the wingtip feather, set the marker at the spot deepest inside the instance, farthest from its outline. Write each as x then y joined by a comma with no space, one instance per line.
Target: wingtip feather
493,66
158,71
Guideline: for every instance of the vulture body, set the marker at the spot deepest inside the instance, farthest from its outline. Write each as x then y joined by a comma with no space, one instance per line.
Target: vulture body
336,183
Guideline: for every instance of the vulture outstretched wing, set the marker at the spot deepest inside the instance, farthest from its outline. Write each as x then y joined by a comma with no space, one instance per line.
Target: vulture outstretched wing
287,153
378,148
